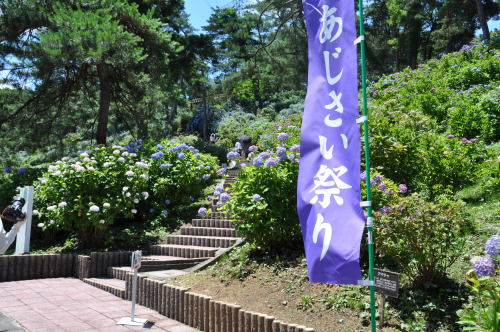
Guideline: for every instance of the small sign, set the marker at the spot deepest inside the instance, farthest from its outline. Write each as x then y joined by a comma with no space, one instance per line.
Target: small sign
387,283
136,260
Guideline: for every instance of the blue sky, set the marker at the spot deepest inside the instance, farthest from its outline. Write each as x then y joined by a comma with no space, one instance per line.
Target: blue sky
200,10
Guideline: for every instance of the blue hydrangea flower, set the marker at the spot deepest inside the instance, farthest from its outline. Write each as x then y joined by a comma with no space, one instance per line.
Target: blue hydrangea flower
484,266
139,141
282,136
181,155
363,176
233,155
191,198
167,202
295,148
164,212
202,212
206,176
165,165
281,150
385,209
264,155
7,170
271,162
157,155
256,197
258,161
159,147
130,149
131,144
224,197
22,170
493,246
152,210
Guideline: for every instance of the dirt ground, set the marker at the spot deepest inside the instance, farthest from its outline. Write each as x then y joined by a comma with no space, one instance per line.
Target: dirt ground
281,295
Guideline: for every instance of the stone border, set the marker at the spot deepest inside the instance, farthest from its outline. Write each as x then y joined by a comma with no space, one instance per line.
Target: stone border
201,311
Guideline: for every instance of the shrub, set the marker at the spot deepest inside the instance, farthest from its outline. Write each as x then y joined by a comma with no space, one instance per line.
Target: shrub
10,180
264,201
422,238
87,194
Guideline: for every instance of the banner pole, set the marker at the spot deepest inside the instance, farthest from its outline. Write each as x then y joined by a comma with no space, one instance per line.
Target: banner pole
367,163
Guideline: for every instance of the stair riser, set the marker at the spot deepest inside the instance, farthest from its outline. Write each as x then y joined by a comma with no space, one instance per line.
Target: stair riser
117,273
212,223
110,289
218,232
166,267
200,241
181,252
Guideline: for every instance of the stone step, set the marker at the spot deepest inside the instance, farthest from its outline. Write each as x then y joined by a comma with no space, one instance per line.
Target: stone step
218,223
180,250
203,241
110,285
208,231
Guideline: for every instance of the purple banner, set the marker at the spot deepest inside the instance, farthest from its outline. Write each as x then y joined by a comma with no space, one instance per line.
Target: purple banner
328,189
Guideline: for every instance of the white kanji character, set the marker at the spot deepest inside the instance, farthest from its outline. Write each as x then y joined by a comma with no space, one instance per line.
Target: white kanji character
327,154
328,22
331,80
327,236
327,187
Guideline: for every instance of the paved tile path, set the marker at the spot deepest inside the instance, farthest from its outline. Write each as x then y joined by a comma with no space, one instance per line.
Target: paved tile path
65,304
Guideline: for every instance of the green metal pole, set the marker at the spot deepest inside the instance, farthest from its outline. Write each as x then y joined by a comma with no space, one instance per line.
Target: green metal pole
367,162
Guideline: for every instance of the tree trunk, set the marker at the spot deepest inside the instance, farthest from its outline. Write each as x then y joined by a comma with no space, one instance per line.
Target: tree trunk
205,114
104,102
482,20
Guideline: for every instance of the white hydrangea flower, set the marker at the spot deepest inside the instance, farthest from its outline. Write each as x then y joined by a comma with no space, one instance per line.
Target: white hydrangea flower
65,159
56,173
52,222
102,221
51,208
144,176
43,181
86,159
124,154
106,205
133,155
141,164
91,168
121,159
94,208
62,204
134,211
52,168
35,212
125,188
116,152
84,155
107,164
128,194
136,201
129,173
41,224
145,194
80,169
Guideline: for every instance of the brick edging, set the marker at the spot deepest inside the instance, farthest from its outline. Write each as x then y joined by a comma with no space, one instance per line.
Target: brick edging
201,311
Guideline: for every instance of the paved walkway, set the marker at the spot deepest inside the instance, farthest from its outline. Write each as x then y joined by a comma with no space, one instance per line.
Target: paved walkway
65,304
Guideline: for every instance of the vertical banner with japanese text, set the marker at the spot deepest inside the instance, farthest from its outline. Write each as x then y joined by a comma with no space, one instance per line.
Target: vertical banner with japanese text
328,191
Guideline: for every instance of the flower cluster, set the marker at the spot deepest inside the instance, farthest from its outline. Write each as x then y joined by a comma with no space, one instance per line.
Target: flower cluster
486,265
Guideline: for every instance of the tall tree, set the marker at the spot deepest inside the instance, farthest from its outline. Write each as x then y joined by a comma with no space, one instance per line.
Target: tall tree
107,49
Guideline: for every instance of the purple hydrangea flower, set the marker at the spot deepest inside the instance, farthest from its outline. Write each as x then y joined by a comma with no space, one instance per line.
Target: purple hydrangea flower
221,171
264,155
256,197
363,176
484,266
224,197
243,165
450,136
233,155
181,155
253,148
282,136
220,188
202,212
281,150
382,186
206,176
165,165
493,246
295,148
258,161
22,170
403,189
385,209
377,178
271,162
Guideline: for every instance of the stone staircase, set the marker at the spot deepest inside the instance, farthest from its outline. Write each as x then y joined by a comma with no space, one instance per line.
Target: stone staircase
198,244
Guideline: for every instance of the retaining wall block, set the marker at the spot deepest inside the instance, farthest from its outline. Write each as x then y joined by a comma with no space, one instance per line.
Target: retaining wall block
276,326
241,321
211,311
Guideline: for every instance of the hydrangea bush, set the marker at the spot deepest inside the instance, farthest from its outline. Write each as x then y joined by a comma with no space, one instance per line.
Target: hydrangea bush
88,193
422,239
